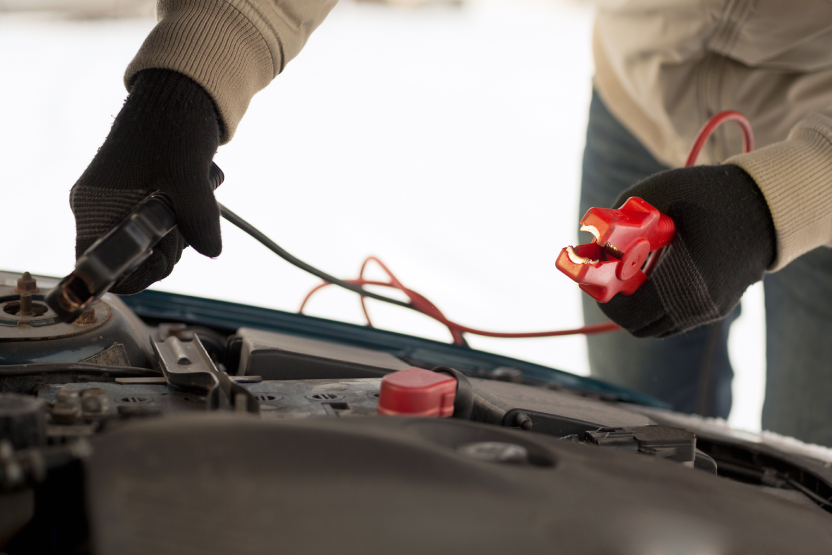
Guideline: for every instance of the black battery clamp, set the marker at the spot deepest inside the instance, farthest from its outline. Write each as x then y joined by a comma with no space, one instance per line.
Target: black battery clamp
115,255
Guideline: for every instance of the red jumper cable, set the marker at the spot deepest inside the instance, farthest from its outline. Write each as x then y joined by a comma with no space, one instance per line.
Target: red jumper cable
643,228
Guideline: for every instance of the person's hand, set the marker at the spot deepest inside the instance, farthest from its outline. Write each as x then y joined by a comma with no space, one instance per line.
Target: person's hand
163,139
724,242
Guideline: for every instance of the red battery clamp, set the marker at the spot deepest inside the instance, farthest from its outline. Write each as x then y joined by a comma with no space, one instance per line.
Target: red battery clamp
613,262
624,238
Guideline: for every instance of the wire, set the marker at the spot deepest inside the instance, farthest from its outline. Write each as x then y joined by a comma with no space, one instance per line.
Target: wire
279,251
806,491
421,304
699,142
709,128
42,368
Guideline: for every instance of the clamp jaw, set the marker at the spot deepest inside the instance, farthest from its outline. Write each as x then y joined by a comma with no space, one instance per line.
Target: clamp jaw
112,257
624,237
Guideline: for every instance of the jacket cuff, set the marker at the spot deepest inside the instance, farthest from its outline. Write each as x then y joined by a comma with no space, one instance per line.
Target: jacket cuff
794,177
216,45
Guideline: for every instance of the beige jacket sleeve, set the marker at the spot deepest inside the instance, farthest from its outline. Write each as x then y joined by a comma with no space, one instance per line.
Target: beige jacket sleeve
664,67
232,48
795,177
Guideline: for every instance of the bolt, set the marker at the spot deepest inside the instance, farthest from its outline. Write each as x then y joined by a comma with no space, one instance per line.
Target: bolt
25,305
14,474
94,402
523,421
172,330
26,284
67,406
507,374
86,318
6,450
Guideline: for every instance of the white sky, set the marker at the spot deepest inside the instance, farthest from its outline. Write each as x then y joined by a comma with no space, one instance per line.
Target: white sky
445,141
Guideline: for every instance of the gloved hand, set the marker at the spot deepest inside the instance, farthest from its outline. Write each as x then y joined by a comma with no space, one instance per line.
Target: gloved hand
724,242
163,139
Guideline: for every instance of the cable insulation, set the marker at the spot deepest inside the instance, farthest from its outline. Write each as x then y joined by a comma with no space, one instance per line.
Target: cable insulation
43,368
421,304
699,142
285,255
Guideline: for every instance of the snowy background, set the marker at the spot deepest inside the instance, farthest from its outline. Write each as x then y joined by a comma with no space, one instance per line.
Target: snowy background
445,140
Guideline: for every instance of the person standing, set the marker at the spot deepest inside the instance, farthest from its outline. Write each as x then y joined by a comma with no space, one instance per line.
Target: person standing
662,70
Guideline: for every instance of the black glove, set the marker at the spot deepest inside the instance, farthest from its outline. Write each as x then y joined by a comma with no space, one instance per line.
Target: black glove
163,139
724,242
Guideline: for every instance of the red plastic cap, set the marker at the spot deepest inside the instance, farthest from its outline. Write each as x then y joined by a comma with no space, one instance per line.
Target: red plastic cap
417,392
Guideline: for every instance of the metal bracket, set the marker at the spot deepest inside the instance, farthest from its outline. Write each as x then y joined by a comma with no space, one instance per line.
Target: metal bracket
187,365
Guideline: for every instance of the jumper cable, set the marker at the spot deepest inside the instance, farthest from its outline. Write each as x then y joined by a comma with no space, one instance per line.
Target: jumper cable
625,270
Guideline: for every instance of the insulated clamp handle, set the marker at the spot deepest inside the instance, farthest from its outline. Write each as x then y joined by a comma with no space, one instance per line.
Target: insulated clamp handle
115,255
624,238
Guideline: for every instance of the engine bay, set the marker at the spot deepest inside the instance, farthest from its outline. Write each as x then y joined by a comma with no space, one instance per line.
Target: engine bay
168,424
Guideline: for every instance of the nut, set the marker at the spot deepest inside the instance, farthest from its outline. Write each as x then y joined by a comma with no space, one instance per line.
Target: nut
94,402
67,406
26,284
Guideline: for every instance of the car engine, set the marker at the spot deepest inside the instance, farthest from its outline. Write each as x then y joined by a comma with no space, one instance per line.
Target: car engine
162,423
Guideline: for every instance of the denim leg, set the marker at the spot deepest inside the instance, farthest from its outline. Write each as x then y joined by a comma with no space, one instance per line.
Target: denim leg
690,371
799,349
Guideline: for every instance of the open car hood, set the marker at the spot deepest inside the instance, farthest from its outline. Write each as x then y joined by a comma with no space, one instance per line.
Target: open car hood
108,449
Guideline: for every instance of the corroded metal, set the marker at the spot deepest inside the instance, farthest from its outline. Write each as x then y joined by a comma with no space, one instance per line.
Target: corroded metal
87,318
25,305
25,316
26,284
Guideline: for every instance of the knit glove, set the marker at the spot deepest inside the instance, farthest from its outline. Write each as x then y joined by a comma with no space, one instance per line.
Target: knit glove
163,139
724,242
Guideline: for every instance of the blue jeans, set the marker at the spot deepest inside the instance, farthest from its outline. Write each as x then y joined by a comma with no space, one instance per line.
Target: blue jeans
692,371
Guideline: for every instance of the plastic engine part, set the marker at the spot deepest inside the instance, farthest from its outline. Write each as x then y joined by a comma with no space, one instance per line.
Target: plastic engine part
417,392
